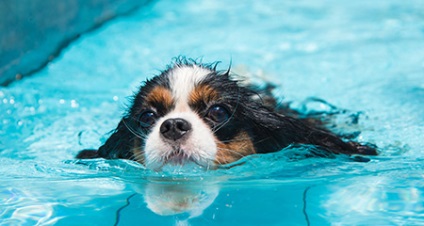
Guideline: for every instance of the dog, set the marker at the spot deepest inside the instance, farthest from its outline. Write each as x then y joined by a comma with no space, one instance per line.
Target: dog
193,113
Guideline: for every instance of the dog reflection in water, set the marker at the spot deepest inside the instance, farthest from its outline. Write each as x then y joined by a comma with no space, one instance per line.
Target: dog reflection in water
168,198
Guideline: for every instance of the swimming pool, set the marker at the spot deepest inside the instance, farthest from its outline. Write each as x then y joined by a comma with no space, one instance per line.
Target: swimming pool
361,56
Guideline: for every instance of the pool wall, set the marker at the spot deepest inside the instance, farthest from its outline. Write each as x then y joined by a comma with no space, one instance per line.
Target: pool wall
33,32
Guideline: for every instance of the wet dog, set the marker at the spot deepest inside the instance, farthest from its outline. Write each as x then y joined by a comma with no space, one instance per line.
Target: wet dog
194,113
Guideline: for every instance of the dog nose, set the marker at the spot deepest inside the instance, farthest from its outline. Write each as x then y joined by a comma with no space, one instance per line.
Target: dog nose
174,128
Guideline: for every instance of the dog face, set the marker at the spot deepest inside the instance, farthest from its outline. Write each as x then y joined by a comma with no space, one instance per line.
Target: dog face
190,113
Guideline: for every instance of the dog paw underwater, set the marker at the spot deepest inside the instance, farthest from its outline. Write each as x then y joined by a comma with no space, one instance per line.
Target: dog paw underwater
194,114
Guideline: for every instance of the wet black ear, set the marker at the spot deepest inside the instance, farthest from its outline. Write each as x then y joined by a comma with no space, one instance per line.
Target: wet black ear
270,131
273,132
87,154
118,145
364,149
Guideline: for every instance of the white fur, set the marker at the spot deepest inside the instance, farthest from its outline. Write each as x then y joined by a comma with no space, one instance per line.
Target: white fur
199,144
183,80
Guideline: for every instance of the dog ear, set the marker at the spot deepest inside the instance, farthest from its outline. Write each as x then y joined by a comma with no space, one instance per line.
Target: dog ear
273,131
87,154
118,145
267,129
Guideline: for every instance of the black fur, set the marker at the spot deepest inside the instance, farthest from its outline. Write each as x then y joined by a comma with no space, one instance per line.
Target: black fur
270,127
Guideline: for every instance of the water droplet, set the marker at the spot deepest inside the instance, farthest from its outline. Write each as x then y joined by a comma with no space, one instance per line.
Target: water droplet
310,47
74,104
284,46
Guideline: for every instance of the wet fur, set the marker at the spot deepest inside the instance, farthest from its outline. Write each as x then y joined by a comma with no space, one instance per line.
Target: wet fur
268,126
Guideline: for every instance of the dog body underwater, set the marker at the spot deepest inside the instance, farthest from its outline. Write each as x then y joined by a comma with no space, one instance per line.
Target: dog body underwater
193,113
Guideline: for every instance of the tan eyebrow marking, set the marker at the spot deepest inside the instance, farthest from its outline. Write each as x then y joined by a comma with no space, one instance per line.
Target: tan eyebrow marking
160,97
203,94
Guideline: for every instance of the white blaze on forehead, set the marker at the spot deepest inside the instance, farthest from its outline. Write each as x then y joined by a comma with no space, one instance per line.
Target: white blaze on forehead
183,80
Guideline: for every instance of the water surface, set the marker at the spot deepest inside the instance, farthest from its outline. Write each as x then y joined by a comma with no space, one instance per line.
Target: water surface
362,56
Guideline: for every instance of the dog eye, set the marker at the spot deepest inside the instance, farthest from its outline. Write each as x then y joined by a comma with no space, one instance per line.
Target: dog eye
218,113
147,118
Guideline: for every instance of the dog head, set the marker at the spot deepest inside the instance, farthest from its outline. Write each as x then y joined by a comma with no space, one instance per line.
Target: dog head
190,113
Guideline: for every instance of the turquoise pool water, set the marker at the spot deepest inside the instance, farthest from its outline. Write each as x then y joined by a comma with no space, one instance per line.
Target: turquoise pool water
365,56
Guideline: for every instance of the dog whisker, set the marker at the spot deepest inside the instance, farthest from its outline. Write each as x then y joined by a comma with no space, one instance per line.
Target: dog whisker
232,114
232,151
141,136
236,140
